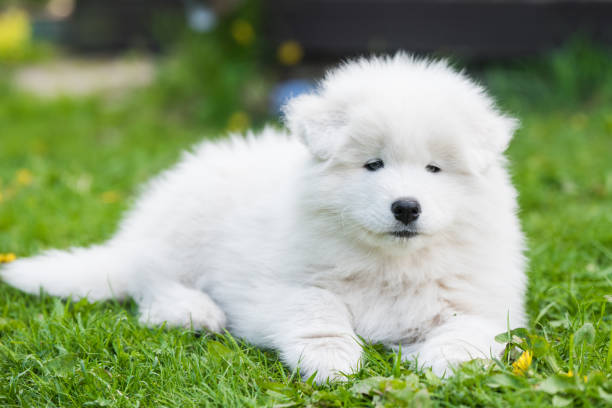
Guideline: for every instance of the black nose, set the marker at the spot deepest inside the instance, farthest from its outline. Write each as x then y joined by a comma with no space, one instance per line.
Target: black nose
406,210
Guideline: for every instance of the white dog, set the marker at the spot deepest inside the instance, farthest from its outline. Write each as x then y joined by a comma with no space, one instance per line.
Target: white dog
385,212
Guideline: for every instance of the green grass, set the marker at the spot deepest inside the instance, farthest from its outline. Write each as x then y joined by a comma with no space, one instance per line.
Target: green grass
86,159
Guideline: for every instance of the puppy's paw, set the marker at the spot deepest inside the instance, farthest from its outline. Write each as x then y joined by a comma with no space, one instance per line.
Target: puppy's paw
444,358
330,357
193,309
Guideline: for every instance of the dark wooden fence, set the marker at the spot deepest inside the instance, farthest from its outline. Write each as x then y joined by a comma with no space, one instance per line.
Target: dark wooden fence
481,28
332,28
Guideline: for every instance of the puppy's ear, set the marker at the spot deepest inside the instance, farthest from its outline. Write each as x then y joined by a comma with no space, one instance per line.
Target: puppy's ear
499,132
316,122
496,136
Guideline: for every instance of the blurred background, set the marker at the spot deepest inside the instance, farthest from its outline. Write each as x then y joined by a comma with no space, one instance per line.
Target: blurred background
96,96
228,64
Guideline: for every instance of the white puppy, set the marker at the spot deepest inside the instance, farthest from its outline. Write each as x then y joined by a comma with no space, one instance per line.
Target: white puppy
385,212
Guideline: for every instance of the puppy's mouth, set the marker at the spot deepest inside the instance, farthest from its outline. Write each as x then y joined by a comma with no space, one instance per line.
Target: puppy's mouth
404,233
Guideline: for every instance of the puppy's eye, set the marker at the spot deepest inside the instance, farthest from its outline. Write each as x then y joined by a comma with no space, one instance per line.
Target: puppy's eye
374,164
432,168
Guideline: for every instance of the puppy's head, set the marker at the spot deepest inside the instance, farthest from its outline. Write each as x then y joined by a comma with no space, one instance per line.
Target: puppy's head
403,149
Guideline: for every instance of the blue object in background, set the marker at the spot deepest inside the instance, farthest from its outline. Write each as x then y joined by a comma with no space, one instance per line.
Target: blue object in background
200,17
287,90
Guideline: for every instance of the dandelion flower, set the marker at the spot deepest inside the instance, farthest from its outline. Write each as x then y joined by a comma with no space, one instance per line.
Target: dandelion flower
15,32
520,366
238,122
24,177
6,258
243,32
290,53
110,197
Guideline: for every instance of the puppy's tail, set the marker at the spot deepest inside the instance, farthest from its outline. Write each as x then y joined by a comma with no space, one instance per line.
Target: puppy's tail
98,272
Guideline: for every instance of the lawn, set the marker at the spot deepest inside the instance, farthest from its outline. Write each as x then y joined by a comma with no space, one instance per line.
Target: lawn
69,167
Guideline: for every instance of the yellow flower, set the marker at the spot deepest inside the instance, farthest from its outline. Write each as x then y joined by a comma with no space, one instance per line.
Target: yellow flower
24,177
570,373
520,366
6,258
243,32
238,122
110,197
14,32
290,53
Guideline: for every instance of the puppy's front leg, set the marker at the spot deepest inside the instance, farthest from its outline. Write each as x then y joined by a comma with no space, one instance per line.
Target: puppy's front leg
311,328
462,338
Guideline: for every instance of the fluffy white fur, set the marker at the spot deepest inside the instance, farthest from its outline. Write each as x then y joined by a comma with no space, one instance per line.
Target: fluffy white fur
284,238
